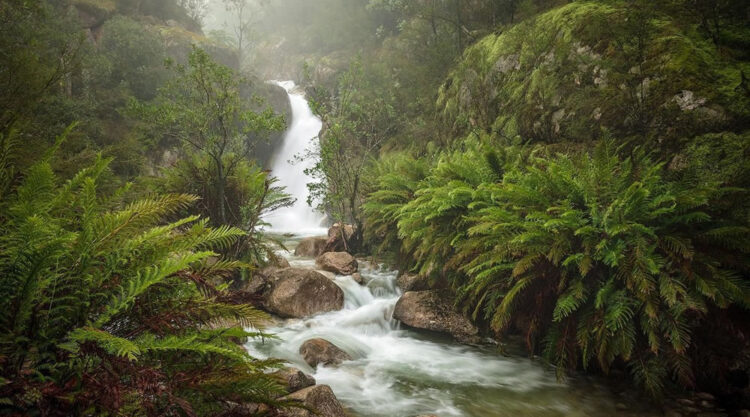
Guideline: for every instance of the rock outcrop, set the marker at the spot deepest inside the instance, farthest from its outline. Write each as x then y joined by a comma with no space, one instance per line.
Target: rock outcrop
319,399
311,246
293,379
433,310
300,293
320,351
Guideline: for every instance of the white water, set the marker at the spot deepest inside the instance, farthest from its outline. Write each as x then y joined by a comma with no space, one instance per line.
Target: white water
397,372
299,219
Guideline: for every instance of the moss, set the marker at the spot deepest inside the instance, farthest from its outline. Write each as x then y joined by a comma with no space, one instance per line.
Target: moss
572,73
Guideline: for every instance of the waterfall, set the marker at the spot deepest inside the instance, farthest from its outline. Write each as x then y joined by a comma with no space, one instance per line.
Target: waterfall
299,219
394,371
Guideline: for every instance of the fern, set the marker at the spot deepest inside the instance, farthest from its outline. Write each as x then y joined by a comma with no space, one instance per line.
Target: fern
98,290
609,258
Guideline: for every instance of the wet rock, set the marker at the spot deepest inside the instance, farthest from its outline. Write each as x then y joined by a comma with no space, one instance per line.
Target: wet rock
412,282
280,262
319,399
337,262
293,379
321,351
672,413
340,238
311,247
357,277
300,293
434,310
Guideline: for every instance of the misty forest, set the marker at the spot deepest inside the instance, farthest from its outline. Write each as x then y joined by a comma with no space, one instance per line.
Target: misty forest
375,208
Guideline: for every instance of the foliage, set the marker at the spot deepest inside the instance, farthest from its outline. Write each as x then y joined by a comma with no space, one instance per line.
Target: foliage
111,307
134,57
565,75
251,194
202,108
360,118
396,178
40,50
601,257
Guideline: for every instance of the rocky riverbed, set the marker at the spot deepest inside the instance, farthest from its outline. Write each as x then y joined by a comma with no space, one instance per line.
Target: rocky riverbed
368,348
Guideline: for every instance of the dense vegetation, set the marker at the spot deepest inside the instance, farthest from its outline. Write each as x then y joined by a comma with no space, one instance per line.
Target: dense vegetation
115,278
574,171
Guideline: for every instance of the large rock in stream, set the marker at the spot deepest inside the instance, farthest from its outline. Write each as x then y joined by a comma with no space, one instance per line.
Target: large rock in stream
336,236
434,310
319,399
311,247
337,262
317,351
298,293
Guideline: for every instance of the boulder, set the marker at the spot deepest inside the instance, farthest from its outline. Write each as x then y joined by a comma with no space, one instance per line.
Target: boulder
297,292
319,399
280,262
293,379
337,262
317,351
357,277
336,236
412,282
434,310
311,247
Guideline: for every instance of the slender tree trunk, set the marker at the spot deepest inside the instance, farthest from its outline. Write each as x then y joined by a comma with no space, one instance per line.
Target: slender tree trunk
220,191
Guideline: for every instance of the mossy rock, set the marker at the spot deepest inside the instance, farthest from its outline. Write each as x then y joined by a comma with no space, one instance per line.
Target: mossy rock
571,73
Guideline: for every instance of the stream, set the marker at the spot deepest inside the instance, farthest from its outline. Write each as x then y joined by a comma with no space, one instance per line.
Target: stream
401,372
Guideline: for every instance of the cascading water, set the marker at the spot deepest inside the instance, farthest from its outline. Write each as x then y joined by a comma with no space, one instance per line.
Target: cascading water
397,372
299,218
403,373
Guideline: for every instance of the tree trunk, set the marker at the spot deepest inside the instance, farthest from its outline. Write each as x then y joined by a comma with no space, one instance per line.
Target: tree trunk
220,191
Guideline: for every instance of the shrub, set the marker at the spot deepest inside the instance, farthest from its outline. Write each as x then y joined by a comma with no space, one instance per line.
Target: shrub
112,308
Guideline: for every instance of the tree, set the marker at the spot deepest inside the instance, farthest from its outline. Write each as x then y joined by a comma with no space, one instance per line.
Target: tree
202,108
361,118
40,51
242,13
196,9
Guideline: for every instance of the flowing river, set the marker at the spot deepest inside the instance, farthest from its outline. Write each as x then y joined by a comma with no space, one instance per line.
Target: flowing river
400,372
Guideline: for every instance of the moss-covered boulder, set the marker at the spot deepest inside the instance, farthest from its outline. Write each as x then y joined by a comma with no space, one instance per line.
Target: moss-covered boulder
577,70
